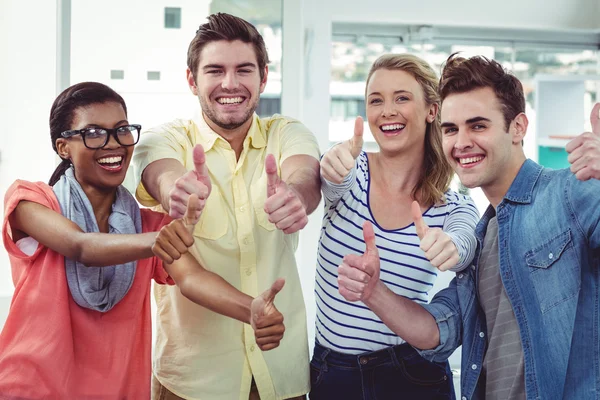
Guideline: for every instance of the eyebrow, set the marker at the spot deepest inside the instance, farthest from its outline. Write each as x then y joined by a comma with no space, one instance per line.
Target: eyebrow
242,65
469,121
100,126
395,92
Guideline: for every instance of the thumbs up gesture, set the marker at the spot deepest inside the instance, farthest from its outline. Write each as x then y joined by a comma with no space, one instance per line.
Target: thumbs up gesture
339,160
265,319
584,150
195,182
358,275
439,249
174,239
283,205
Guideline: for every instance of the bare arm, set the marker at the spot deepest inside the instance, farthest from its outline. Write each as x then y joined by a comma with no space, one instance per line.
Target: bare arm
301,172
208,289
159,178
62,235
169,182
358,280
404,317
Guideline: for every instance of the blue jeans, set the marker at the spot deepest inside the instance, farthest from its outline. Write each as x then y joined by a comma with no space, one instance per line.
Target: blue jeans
397,372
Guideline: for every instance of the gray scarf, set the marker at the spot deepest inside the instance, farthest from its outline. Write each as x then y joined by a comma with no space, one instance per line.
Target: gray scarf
98,288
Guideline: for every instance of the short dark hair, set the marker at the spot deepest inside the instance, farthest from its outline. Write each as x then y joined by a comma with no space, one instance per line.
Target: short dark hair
461,75
63,110
222,26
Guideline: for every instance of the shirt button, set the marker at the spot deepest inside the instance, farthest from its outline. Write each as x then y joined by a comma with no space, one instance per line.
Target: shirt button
242,208
473,267
474,366
363,360
248,272
246,240
551,256
481,334
460,276
252,348
463,398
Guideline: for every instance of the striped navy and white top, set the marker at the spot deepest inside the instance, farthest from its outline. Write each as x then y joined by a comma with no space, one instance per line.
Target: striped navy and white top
352,328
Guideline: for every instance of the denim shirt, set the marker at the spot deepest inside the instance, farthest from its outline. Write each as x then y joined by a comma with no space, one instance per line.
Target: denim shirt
549,245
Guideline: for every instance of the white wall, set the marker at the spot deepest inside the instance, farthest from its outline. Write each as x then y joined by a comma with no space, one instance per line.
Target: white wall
27,82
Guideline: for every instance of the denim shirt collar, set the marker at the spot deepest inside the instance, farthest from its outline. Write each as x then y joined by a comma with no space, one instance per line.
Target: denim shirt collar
520,191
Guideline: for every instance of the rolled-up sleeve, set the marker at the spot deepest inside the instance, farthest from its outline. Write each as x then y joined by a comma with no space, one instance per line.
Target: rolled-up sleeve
444,308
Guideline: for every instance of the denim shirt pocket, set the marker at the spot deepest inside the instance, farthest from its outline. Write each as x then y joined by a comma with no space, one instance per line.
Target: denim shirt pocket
553,268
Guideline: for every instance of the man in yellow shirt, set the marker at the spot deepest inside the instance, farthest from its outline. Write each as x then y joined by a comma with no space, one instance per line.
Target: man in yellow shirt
260,183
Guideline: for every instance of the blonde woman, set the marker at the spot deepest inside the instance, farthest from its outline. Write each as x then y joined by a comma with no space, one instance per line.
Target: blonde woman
401,195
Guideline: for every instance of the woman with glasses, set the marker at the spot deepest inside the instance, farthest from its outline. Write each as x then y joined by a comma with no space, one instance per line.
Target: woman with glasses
79,325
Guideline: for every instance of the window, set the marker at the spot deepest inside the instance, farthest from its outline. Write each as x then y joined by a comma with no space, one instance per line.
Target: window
268,105
154,75
173,17
117,74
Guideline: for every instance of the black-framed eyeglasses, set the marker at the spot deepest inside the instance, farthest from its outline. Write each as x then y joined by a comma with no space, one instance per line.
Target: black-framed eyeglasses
96,138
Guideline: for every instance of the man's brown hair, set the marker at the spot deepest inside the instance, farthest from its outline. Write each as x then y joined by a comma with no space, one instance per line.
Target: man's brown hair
461,75
222,26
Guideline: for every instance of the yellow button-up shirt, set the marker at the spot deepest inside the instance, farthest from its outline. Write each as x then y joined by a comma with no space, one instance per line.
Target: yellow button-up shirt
200,354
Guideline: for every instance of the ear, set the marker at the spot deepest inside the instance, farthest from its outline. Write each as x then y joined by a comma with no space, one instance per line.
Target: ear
519,128
263,82
191,81
433,110
62,147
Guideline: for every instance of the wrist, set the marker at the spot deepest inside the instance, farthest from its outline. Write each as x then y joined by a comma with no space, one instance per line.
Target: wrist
376,296
298,194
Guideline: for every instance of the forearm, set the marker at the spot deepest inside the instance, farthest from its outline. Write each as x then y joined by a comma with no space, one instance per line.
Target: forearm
307,184
209,290
104,249
159,178
404,317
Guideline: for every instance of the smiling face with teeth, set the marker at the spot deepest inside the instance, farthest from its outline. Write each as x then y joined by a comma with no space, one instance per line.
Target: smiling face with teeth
228,84
397,112
481,149
101,169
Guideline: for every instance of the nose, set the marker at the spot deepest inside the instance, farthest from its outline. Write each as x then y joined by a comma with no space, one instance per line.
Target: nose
463,140
230,81
389,110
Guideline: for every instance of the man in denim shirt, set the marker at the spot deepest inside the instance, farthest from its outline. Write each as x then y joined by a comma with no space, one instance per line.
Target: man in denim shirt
528,311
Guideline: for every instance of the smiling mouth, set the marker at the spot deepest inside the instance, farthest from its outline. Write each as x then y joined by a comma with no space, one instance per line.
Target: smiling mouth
111,163
466,161
392,128
230,100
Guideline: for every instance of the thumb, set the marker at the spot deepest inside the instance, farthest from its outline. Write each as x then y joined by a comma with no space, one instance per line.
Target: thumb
595,119
192,213
269,294
356,143
199,161
272,177
420,225
369,236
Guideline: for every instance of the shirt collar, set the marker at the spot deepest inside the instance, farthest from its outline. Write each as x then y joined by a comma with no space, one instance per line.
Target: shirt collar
521,189
207,137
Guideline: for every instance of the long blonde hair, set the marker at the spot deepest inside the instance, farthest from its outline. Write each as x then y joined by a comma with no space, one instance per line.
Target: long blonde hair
436,174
